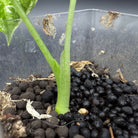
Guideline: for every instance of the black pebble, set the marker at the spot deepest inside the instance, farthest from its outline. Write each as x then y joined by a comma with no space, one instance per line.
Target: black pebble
86,104
88,84
127,89
118,132
131,120
131,126
85,132
111,97
109,81
134,102
95,101
104,133
122,100
98,123
68,117
73,130
120,121
82,124
125,133
118,91
102,115
94,133
134,131
127,110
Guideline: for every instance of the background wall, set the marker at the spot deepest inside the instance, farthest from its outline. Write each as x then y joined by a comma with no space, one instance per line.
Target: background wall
52,6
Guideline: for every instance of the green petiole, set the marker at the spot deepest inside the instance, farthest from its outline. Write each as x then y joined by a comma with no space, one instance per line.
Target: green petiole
62,71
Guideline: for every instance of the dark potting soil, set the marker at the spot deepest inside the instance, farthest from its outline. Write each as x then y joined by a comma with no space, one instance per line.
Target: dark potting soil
96,104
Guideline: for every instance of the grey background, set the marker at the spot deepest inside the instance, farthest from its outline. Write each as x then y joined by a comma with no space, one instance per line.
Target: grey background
53,6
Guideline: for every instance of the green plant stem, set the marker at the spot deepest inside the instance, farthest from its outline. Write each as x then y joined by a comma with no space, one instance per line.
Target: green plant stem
63,99
62,72
52,62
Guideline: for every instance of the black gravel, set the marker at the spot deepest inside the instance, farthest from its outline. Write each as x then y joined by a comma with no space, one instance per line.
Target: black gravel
104,99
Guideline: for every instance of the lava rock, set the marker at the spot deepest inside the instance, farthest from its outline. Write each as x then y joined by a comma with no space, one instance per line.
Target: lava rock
37,105
62,131
9,110
37,91
21,104
47,96
16,91
43,84
41,111
36,124
53,121
50,133
29,89
44,124
78,136
39,133
38,98
25,115
28,95
53,113
15,97
23,86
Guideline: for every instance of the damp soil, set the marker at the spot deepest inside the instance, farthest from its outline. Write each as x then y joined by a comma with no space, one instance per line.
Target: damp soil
101,106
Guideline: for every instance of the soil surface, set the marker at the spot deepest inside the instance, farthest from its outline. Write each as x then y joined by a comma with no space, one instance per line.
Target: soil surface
101,106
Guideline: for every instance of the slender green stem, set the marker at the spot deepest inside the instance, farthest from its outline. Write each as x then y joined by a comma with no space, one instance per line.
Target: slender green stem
63,99
52,62
62,72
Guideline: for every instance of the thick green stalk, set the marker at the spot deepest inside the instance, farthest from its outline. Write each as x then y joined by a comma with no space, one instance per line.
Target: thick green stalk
52,62
63,99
